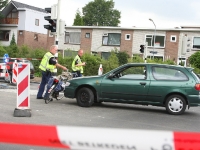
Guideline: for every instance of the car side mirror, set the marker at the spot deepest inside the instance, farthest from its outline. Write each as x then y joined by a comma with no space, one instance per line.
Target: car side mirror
110,76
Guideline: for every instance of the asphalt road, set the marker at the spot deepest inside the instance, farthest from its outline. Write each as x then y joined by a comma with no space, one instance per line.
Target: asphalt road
106,115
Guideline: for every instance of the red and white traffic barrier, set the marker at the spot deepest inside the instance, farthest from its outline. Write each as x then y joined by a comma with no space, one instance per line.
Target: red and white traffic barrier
4,72
23,90
14,73
87,138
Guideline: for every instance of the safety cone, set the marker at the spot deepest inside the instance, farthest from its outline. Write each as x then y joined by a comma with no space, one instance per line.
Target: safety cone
100,71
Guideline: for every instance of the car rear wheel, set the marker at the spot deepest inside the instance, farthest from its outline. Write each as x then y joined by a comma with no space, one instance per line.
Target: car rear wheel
85,97
175,105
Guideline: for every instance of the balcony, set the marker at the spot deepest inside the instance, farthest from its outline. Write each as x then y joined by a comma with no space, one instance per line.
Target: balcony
9,21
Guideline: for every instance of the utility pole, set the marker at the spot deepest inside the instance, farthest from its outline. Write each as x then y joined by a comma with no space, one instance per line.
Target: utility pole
57,23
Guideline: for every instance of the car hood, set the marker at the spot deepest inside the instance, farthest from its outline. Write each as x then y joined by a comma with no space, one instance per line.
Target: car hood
86,79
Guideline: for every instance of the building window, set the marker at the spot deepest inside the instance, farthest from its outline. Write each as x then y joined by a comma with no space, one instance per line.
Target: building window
111,39
4,35
70,53
36,37
94,53
196,42
50,34
87,35
173,38
127,37
37,22
73,37
159,41
105,55
20,32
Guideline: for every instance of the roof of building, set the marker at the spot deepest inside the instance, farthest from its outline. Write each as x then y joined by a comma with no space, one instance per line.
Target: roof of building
189,29
22,5
19,6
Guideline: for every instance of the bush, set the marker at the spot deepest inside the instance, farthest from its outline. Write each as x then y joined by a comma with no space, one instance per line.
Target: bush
92,64
111,63
38,53
122,57
2,51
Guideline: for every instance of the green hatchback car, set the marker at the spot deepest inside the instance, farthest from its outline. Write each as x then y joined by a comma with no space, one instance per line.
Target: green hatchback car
169,86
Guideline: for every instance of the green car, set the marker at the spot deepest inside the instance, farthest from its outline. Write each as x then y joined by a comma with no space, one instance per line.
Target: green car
169,86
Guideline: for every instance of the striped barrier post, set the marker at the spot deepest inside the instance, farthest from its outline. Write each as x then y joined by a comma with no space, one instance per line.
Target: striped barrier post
23,90
14,73
88,138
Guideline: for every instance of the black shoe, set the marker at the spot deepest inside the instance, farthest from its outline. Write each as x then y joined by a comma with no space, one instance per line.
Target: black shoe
40,97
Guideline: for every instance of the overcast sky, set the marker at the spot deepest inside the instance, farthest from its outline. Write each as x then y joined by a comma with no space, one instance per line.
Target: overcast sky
165,13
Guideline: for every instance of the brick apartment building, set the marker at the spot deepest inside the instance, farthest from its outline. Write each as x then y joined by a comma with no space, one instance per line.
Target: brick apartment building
27,23
176,44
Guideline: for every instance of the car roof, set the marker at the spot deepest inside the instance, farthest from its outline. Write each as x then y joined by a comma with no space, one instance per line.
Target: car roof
156,64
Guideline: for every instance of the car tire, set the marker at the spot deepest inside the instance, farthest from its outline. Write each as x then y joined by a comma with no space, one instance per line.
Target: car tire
175,104
85,97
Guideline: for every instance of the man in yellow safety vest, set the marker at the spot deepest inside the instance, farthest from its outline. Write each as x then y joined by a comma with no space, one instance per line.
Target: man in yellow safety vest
77,64
47,66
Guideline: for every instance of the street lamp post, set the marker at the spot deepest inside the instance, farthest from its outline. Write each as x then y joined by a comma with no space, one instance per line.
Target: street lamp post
154,36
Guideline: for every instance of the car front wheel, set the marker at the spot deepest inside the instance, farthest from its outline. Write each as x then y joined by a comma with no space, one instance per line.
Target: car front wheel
175,105
85,97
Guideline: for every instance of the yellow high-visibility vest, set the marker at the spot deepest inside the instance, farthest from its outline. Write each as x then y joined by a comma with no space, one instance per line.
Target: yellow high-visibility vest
77,68
44,65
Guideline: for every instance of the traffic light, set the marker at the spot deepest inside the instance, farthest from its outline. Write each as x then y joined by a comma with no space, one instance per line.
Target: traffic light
51,19
61,27
142,48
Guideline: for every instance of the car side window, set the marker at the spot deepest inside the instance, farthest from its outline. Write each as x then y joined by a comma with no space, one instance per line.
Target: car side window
163,73
133,72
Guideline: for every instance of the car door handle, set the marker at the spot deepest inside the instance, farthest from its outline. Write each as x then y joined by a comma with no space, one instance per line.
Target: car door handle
143,83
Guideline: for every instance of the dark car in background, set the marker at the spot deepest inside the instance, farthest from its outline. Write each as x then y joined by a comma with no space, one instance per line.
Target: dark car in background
169,86
10,64
32,70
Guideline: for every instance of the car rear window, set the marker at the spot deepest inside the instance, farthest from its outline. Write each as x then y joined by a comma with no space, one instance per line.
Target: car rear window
197,76
163,73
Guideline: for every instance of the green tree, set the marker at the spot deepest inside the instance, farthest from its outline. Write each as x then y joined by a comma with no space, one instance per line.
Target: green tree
3,3
78,21
2,51
13,51
12,42
194,59
101,13
122,57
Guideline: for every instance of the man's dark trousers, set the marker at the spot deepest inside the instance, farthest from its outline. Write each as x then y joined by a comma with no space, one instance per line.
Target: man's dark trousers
45,79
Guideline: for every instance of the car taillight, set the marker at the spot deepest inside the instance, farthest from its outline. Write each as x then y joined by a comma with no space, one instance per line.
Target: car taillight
197,87
56,80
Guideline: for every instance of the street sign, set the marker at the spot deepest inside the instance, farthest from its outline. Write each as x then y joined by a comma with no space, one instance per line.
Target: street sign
5,58
153,52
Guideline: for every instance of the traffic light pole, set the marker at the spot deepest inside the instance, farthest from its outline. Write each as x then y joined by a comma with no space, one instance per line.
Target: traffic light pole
57,23
145,52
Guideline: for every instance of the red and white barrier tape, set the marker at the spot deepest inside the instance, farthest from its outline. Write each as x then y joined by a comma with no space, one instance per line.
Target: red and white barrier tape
87,138
27,58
